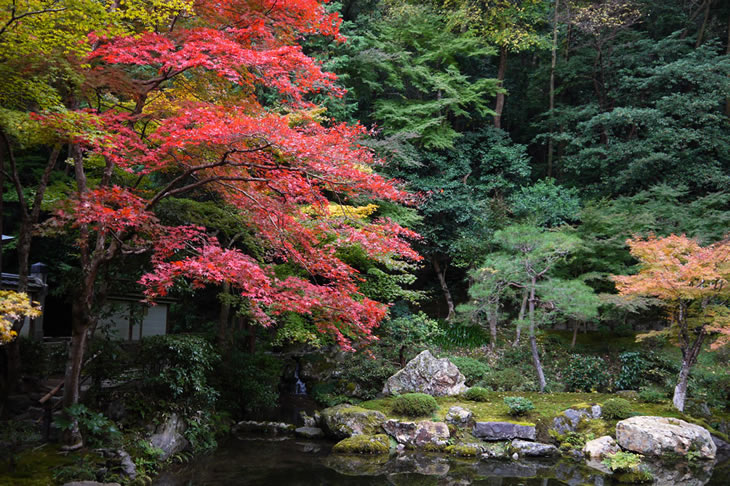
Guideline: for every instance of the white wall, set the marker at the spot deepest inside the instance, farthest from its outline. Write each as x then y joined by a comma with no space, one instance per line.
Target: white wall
154,322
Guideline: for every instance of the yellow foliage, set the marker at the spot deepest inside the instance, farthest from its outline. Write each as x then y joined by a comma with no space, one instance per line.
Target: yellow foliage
14,306
334,210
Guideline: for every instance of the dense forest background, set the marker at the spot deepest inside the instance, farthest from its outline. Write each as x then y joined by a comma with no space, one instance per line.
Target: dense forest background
565,127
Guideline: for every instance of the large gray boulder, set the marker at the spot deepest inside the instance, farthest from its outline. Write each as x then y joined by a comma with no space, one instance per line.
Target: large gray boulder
657,436
597,449
533,449
169,436
427,374
344,421
424,434
504,431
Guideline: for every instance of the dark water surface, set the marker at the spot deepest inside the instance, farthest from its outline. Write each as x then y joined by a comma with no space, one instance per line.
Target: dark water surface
295,462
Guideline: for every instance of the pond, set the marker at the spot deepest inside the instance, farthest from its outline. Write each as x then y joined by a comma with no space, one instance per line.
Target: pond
307,463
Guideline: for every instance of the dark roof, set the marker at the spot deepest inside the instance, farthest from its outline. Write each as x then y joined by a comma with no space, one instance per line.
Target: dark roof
10,281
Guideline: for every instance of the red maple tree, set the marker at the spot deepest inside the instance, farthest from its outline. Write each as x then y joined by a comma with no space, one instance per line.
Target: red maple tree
179,103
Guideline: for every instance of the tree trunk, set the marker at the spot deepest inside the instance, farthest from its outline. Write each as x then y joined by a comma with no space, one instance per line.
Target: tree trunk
689,358
13,351
492,318
72,377
705,19
680,391
441,273
533,339
499,104
552,89
521,317
224,319
576,325
727,52
402,356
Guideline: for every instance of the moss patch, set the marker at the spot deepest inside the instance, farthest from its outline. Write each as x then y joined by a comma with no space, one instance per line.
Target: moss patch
547,406
464,450
35,467
363,444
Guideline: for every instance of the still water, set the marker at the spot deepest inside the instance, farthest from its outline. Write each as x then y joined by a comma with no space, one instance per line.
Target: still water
292,462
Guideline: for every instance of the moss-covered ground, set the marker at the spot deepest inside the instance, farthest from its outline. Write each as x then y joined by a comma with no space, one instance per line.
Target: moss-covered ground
547,406
34,467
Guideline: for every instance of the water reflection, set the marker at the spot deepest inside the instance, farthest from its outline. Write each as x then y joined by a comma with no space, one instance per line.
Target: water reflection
308,463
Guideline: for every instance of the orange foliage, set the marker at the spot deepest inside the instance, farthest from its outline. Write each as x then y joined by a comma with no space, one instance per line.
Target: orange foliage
684,275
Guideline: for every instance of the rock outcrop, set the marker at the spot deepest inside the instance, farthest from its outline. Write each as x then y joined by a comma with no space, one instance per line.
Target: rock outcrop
459,416
421,435
169,436
309,432
533,449
658,436
569,419
504,431
597,449
344,421
427,374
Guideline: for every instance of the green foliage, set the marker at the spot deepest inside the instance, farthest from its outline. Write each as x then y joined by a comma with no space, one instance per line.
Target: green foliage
519,405
462,336
633,366
473,369
478,394
622,461
663,99
326,395
511,379
203,429
95,427
413,68
628,467
82,469
586,373
407,330
249,382
415,405
616,408
652,395
546,204
178,367
571,440
368,374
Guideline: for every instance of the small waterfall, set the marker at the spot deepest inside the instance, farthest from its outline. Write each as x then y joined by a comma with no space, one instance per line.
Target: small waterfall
299,387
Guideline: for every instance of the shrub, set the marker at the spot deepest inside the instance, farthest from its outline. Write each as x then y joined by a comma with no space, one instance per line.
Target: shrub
474,370
250,382
415,405
616,408
95,427
477,394
622,461
368,374
585,373
652,395
633,367
628,468
509,379
178,367
519,405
